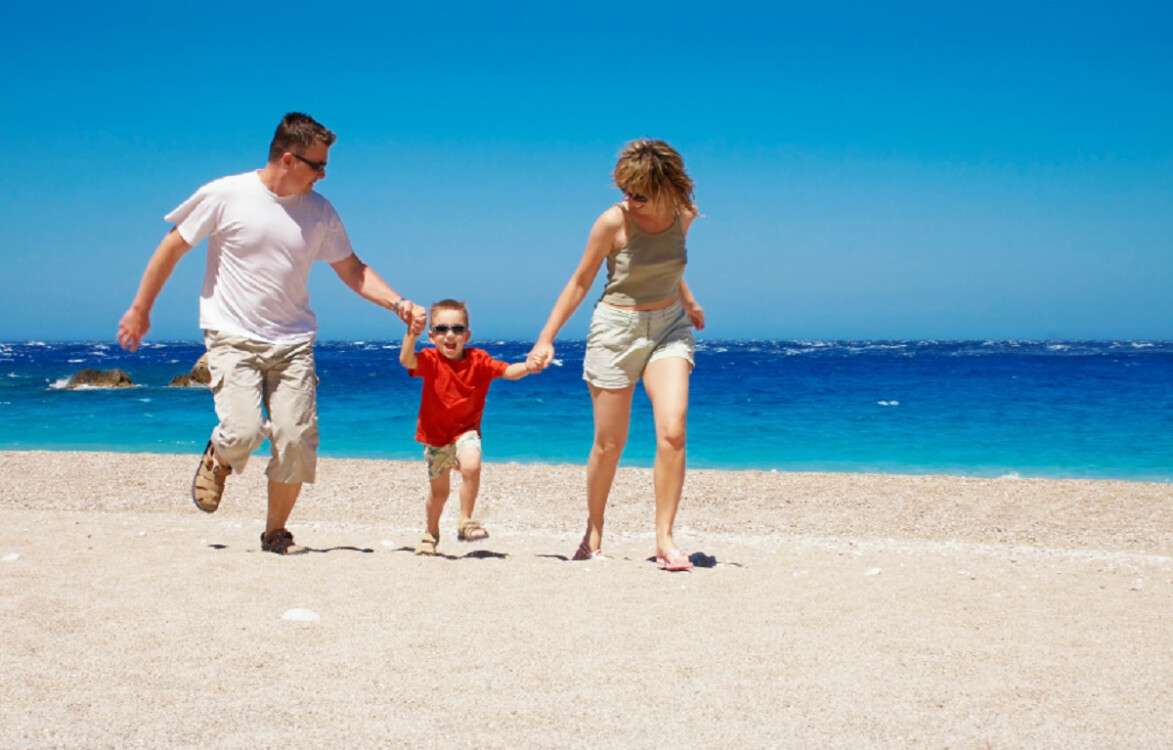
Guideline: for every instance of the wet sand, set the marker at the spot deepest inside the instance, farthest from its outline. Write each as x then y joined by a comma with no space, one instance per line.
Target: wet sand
834,610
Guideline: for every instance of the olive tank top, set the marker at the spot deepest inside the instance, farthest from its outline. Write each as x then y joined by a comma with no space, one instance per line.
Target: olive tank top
649,268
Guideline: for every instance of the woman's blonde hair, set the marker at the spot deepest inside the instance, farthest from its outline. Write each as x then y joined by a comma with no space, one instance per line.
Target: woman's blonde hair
653,168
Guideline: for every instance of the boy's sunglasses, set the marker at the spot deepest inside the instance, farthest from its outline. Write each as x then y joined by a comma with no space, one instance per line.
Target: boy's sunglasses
317,166
443,329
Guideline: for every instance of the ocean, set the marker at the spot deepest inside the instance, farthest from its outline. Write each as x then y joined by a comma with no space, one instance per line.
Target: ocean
1078,409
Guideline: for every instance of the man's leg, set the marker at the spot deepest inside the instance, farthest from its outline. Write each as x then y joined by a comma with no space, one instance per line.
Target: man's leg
291,390
237,387
281,500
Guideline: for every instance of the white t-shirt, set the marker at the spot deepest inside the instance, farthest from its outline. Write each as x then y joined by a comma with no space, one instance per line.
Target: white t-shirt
260,248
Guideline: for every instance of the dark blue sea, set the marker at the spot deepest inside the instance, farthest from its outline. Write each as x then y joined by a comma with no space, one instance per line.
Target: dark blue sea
980,408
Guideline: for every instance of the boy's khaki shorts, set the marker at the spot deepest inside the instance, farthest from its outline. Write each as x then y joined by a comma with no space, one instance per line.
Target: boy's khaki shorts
622,343
444,458
248,375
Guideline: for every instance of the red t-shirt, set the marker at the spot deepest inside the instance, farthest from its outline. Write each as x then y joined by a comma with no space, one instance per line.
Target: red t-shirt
454,393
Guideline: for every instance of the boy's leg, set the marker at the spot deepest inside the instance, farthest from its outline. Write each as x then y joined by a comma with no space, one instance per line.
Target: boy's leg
438,489
468,460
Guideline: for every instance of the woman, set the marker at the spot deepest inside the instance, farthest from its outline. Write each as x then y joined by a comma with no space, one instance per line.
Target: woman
641,328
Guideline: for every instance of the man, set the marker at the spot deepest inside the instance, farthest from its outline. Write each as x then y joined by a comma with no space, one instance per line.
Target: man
264,229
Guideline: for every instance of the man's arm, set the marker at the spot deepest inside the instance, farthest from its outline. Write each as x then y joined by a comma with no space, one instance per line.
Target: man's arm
136,321
369,285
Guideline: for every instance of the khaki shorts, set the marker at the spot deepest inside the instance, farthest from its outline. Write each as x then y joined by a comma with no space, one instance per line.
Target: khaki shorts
444,458
622,343
250,378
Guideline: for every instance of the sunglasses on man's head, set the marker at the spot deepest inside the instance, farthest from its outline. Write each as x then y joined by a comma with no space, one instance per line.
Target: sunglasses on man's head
635,197
317,166
443,329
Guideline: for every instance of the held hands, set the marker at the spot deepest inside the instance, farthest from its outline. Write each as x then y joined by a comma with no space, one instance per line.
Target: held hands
412,314
134,325
540,356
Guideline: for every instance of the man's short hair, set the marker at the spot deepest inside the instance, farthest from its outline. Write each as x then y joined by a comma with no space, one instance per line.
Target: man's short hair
297,129
449,304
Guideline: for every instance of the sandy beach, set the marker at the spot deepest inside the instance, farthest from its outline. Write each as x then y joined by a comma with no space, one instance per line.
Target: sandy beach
832,610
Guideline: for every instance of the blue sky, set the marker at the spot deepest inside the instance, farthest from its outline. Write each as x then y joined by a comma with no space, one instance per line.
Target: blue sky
904,172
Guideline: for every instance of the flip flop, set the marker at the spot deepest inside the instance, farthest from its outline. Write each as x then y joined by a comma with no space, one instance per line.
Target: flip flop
675,560
584,552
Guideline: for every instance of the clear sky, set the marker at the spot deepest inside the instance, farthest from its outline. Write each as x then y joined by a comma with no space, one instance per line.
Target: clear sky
864,170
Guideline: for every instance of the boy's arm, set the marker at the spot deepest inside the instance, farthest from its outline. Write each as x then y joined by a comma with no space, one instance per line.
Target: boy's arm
519,370
407,356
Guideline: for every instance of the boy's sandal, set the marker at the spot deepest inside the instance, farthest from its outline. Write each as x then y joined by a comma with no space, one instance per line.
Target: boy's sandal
471,531
427,545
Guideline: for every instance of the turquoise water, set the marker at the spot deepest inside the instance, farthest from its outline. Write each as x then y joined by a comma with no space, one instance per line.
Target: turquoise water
1054,409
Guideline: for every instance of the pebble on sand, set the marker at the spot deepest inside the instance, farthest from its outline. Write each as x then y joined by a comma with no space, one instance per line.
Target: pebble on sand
872,572
300,615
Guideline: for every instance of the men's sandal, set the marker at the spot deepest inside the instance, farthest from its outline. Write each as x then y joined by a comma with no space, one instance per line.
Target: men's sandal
280,541
207,487
471,531
427,545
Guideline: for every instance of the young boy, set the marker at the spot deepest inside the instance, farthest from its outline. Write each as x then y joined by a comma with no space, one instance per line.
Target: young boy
456,381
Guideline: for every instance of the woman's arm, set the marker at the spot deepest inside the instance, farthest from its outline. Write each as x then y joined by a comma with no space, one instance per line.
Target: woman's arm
599,244
695,312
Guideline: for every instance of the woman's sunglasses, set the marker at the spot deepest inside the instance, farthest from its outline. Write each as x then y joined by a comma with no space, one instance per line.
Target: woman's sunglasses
443,329
635,197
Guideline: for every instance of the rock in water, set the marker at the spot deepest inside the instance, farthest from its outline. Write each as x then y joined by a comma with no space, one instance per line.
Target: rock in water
199,375
100,379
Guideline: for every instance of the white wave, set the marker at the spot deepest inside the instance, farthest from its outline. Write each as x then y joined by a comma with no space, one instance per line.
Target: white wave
1057,347
145,400
75,361
172,361
61,384
1011,475
35,343
390,346
888,403
105,346
13,375
556,362
358,343
1140,344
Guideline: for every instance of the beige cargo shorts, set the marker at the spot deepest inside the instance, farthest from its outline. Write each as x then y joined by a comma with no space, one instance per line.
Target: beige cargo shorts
265,391
622,343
